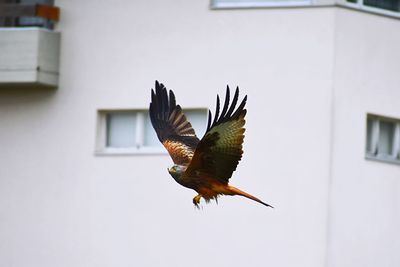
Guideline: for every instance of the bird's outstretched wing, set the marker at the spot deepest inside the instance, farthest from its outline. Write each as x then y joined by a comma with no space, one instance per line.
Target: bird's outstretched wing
220,150
173,129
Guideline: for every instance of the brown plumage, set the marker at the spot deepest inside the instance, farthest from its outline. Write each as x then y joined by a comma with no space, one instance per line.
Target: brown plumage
203,165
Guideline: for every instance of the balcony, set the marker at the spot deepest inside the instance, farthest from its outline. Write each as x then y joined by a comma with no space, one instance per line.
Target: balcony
29,48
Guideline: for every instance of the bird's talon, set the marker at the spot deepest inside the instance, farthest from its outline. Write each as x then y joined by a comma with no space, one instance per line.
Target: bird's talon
196,201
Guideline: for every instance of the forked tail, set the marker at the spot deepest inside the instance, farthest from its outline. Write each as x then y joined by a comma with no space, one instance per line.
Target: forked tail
236,191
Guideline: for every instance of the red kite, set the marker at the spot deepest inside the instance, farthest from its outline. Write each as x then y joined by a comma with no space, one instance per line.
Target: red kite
203,165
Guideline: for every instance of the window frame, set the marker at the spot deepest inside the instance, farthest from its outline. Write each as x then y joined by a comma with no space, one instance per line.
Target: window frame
101,135
373,153
215,4
101,147
360,6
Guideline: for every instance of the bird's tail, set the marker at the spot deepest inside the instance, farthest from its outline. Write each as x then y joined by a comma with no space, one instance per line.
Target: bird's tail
237,191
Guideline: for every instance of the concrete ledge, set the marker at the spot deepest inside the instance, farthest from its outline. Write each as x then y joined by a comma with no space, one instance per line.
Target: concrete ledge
29,56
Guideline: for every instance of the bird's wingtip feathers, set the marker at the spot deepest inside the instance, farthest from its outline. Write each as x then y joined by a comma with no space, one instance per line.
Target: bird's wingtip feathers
227,114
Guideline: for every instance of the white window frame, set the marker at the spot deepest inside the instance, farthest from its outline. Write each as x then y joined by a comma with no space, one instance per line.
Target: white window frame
360,5
215,4
139,148
101,147
373,153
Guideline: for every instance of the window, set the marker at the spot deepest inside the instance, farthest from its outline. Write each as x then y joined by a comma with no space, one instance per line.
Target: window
33,21
386,7
257,3
28,13
131,132
393,5
383,138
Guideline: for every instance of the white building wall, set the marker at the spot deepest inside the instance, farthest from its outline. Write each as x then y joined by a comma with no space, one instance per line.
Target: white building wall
365,195
62,205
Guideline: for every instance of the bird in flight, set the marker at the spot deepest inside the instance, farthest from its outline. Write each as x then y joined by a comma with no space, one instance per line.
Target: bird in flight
203,165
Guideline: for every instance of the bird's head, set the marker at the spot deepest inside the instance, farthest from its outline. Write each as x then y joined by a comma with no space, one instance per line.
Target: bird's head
176,171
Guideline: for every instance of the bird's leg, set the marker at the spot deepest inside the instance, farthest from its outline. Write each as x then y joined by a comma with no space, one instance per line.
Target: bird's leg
196,200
